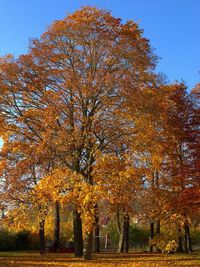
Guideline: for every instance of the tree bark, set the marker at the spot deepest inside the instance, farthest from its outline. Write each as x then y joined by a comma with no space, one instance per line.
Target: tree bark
121,242
188,244
87,253
158,233
151,236
185,239
180,245
126,233
78,236
42,246
57,226
106,243
96,235
120,232
189,239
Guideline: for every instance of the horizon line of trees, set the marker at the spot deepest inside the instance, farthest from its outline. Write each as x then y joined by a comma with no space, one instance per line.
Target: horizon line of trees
88,125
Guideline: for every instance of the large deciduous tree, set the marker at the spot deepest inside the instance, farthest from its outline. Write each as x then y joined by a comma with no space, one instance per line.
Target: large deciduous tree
84,117
69,93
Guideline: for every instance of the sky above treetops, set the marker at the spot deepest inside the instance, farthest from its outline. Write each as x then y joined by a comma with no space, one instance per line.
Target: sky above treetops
173,27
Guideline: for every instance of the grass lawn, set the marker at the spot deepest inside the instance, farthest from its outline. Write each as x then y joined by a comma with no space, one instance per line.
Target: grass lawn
27,259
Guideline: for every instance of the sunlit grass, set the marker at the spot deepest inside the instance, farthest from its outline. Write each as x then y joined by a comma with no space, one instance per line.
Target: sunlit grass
29,259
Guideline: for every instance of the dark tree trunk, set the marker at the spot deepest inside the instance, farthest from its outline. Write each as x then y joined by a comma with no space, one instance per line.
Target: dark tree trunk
188,243
78,237
124,238
151,236
126,233
180,244
189,239
57,226
158,233
87,253
185,238
42,246
96,235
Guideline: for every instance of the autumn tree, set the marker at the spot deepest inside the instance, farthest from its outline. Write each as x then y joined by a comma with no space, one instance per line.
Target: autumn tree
84,117
85,90
118,183
71,90
25,122
176,157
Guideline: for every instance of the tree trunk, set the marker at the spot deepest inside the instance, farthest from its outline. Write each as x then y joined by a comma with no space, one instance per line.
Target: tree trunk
78,237
42,237
151,236
188,244
189,238
87,253
96,235
120,231
57,226
158,233
121,242
185,238
126,233
106,242
180,245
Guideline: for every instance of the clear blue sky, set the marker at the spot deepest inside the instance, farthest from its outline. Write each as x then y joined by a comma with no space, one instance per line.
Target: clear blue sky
173,27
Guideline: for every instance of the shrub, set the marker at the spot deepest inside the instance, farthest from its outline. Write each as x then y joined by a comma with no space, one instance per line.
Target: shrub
139,236
171,247
7,240
164,244
22,240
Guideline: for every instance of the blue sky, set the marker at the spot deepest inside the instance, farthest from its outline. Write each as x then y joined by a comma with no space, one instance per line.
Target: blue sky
173,27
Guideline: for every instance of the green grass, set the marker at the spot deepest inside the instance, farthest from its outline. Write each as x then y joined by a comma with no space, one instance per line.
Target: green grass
30,259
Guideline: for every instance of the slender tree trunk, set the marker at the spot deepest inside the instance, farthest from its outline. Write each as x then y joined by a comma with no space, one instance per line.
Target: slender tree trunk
87,253
120,232
189,238
96,235
57,226
126,233
185,238
151,236
188,243
158,233
42,246
121,242
106,242
78,237
180,245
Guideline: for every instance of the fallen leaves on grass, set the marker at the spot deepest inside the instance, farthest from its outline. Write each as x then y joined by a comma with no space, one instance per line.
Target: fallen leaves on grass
100,260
